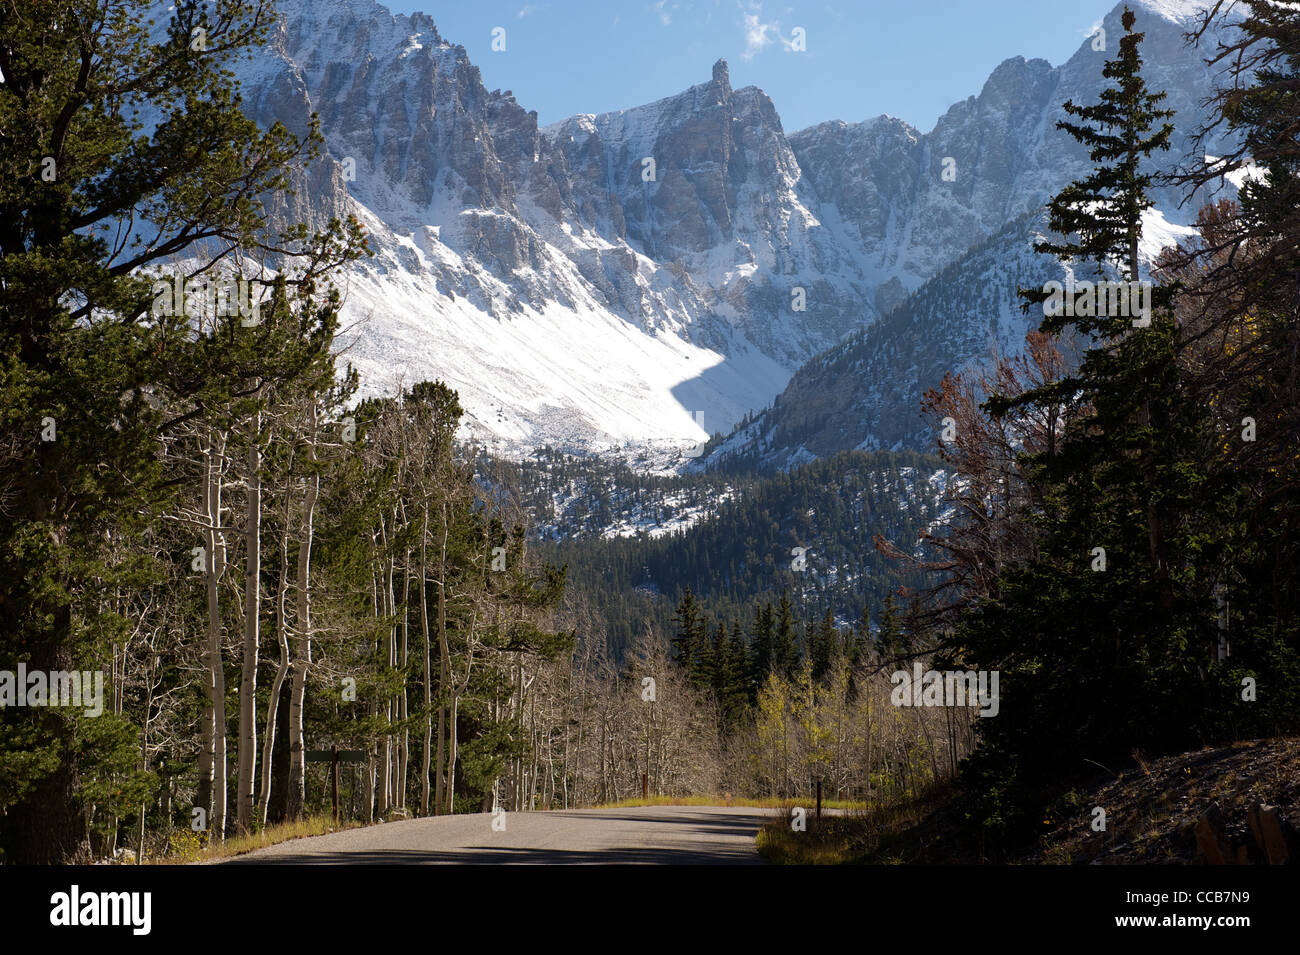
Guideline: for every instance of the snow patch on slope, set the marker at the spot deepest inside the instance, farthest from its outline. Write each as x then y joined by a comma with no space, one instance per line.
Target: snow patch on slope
1158,234
523,382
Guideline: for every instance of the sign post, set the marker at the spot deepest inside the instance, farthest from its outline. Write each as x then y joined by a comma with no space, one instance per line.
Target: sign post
334,783
334,756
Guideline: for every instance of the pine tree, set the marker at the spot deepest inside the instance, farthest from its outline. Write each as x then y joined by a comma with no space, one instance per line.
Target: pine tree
1103,211
891,637
1094,633
733,682
785,647
91,372
725,673
824,647
762,649
691,642
862,633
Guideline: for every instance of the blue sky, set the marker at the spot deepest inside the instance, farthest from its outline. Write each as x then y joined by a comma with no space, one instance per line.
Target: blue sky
909,58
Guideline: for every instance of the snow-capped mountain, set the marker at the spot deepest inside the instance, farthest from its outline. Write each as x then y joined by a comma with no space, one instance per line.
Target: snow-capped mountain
882,183
646,276
866,392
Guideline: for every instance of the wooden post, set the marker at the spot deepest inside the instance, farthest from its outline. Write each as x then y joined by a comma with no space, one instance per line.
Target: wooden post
645,785
334,779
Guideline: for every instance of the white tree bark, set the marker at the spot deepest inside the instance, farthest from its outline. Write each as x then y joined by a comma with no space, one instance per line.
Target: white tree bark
384,783
247,744
283,670
404,743
301,642
428,666
444,667
212,753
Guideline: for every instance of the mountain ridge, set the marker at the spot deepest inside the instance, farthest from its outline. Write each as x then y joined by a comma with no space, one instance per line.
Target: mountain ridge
576,302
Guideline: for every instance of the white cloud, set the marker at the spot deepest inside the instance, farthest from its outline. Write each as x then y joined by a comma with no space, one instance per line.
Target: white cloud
664,12
758,35
526,10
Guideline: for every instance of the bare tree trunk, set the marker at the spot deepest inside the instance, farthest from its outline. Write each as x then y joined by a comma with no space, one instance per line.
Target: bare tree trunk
517,710
282,671
451,753
212,752
385,781
370,788
453,731
444,669
428,669
301,643
604,739
439,788
536,764
150,685
404,744
247,746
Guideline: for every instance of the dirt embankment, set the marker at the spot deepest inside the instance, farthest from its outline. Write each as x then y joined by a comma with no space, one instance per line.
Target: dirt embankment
1224,804
1153,808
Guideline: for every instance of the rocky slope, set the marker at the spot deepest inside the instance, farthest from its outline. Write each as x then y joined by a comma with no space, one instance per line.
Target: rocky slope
866,392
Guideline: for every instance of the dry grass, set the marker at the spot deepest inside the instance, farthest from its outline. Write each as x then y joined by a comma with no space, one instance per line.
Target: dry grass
728,800
826,842
885,834
187,850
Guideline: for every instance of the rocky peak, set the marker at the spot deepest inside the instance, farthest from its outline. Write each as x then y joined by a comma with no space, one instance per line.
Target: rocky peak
720,75
1018,84
677,232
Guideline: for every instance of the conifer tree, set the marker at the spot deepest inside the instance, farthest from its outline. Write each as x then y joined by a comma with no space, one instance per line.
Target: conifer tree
785,646
762,653
733,692
1091,631
891,637
89,195
1100,216
823,647
691,642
